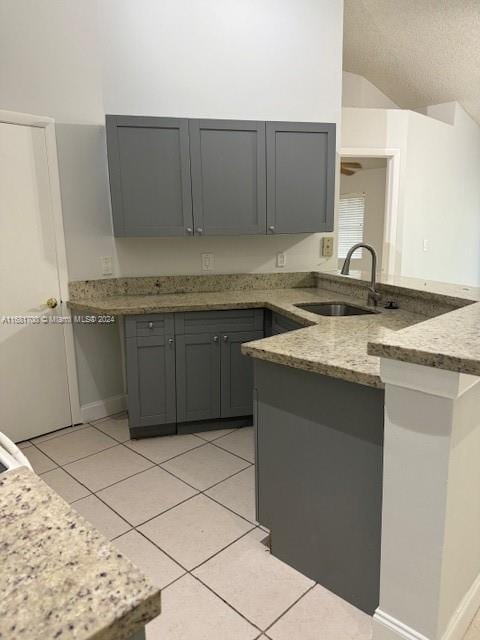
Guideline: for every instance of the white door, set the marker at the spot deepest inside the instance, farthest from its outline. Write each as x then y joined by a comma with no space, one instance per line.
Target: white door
34,395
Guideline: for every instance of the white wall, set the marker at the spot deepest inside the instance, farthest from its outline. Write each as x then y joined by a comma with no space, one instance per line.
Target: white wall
217,58
439,196
371,182
76,61
221,59
357,91
442,204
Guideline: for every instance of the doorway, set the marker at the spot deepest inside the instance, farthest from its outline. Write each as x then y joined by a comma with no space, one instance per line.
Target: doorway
38,391
368,207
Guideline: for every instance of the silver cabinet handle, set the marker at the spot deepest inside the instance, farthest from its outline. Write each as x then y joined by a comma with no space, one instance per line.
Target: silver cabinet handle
215,338
150,325
271,228
189,230
199,230
225,338
170,341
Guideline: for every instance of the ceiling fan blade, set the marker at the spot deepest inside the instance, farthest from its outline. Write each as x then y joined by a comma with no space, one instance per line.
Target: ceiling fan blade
352,165
347,172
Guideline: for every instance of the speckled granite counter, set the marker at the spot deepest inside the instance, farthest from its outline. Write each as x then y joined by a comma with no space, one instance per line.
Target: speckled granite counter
342,347
333,346
450,341
60,577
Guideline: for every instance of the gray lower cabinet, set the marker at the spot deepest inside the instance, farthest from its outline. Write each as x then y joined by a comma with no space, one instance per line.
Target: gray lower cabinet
300,177
237,375
214,379
151,382
228,177
150,181
188,368
319,454
198,377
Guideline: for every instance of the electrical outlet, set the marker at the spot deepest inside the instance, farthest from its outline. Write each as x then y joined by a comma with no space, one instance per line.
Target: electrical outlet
281,259
208,261
327,246
106,265
425,244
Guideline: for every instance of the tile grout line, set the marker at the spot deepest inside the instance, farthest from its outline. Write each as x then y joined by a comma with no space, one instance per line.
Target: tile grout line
231,452
229,605
199,492
177,455
291,606
210,487
73,429
61,464
134,528
82,427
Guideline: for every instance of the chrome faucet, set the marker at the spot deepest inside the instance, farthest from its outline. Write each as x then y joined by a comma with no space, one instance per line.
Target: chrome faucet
373,294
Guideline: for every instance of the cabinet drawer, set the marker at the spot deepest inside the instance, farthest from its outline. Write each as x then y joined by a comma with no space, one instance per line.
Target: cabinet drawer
196,322
157,324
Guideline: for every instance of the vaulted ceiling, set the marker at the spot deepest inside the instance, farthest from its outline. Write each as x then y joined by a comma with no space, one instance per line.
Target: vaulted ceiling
418,52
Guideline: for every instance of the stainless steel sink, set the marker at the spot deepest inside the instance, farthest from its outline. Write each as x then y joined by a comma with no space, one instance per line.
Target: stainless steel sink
335,309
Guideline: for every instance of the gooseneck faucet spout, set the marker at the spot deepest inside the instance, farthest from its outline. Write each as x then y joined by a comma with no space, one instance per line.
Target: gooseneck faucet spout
373,295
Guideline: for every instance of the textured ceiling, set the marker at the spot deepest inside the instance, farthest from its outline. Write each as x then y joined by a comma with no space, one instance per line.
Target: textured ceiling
418,52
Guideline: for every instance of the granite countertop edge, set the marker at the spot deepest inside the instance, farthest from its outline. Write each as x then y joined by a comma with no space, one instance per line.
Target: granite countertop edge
283,349
441,342
61,577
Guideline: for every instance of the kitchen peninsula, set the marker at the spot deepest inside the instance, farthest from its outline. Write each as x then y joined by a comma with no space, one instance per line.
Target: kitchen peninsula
358,426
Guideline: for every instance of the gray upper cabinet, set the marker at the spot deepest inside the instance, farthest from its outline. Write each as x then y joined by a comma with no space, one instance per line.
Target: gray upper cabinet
149,166
228,177
180,177
300,177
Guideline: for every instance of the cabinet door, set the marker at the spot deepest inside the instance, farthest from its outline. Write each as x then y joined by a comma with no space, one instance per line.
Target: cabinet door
198,377
300,177
149,166
228,177
237,374
151,380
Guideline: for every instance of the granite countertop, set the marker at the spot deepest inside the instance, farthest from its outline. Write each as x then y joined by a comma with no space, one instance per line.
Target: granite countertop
335,347
450,341
60,577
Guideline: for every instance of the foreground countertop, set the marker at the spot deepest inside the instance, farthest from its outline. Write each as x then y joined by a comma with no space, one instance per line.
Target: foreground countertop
60,577
336,347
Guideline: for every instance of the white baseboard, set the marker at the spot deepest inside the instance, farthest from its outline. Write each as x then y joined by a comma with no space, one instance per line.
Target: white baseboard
386,627
463,616
103,408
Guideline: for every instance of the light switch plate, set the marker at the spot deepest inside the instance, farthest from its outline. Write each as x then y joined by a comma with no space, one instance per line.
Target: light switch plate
106,265
327,246
208,261
281,259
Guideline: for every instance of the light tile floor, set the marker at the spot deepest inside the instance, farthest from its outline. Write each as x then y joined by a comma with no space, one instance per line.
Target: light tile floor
182,509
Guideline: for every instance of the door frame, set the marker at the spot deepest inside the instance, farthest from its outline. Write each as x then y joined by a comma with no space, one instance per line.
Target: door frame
48,125
391,256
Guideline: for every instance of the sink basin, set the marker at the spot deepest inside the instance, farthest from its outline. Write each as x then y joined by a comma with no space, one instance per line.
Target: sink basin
335,309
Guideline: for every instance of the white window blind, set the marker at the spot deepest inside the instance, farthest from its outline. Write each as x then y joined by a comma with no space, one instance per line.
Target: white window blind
351,219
